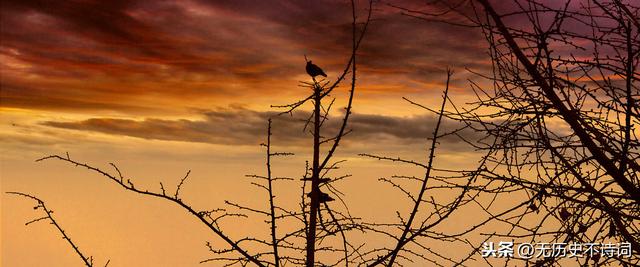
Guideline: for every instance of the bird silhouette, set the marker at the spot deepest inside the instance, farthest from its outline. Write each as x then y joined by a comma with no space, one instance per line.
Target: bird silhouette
323,197
313,70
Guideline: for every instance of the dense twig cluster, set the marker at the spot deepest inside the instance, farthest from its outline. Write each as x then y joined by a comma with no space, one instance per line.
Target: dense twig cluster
560,116
415,229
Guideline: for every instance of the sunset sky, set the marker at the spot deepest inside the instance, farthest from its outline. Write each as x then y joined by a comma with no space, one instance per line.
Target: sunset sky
162,87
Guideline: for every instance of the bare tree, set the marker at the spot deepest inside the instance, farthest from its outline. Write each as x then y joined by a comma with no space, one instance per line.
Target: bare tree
417,227
559,152
319,219
560,115
324,225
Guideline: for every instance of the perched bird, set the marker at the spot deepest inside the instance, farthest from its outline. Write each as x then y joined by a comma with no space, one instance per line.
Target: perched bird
314,70
323,197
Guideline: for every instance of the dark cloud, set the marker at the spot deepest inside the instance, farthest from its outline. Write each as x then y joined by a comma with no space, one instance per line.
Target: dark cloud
239,126
115,51
83,34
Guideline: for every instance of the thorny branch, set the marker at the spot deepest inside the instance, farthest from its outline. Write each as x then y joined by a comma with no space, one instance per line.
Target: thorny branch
203,216
88,261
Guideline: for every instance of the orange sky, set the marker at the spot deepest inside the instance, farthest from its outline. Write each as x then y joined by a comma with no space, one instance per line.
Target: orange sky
170,57
161,87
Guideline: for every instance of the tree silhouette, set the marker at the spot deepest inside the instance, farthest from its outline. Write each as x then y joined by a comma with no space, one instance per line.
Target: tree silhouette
560,126
559,151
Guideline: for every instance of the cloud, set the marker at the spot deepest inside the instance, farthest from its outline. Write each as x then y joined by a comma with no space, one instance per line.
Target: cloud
119,52
240,126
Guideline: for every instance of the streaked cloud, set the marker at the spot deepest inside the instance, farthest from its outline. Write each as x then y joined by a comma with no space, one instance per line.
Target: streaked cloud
240,126
134,56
